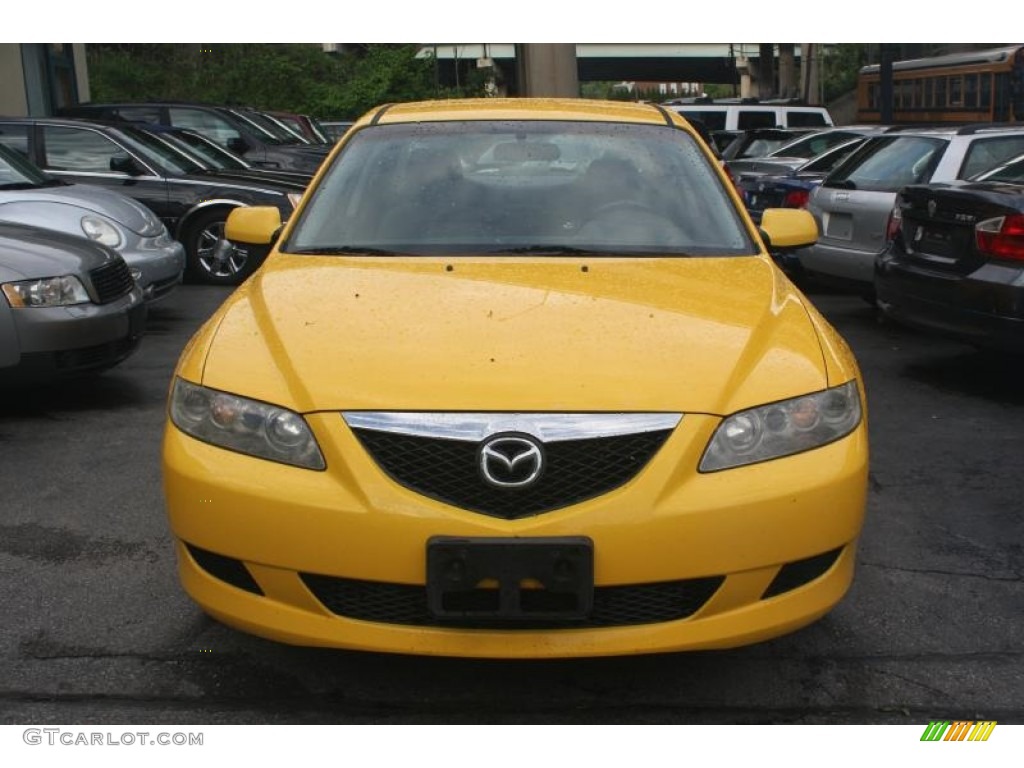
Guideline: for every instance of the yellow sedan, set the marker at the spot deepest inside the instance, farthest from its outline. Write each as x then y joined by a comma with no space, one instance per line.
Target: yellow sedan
519,378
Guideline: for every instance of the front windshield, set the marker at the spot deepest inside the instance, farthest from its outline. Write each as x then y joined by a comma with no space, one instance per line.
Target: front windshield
271,127
320,131
151,148
814,144
262,131
506,187
208,151
16,171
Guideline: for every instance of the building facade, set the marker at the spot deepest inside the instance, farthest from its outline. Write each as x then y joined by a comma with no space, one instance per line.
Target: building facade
38,78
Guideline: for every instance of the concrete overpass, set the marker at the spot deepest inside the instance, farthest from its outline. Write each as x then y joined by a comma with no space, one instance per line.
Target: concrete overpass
727,63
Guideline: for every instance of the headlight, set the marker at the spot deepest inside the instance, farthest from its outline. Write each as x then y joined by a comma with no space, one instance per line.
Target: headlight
783,428
46,292
294,198
101,231
243,425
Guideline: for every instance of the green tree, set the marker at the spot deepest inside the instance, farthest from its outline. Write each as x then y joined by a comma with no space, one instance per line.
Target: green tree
289,77
839,67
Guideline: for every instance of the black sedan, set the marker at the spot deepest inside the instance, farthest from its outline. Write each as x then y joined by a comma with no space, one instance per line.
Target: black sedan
191,200
955,264
214,157
242,131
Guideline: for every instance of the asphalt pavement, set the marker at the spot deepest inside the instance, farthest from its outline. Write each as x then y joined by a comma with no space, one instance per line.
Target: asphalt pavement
96,629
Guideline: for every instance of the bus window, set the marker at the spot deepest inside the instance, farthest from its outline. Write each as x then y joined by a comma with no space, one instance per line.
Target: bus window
956,93
970,90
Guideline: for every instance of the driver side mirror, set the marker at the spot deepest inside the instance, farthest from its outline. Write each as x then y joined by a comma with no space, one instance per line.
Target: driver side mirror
238,145
787,228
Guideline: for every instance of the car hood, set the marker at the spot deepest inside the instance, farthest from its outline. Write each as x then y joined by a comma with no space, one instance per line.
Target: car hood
711,335
29,252
106,202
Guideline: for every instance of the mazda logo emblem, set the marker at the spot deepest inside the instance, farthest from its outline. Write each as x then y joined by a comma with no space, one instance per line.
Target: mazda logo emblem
511,461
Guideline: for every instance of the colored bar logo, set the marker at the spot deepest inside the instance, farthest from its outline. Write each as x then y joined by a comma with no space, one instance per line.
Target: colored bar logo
959,730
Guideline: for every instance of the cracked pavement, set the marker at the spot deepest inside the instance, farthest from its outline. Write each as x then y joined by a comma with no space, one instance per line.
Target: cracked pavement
96,630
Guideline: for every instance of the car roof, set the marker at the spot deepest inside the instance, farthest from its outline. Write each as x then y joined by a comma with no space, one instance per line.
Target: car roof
520,109
972,129
75,122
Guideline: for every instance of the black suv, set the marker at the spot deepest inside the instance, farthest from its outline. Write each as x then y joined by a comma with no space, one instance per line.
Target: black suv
191,200
243,131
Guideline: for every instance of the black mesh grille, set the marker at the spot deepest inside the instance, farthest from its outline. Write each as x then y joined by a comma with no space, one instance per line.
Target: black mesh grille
99,356
575,470
613,606
800,572
111,281
226,569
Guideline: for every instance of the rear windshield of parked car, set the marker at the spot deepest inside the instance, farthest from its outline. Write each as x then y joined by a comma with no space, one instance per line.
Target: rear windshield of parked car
887,164
504,187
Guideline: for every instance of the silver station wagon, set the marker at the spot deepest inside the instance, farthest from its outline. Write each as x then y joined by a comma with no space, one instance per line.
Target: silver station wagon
853,203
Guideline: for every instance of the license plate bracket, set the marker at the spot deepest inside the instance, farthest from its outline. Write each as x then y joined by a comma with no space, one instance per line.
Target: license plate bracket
510,579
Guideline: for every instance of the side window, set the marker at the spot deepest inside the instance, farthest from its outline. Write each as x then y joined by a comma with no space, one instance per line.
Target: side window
139,114
797,119
77,149
15,137
714,119
984,154
749,118
208,124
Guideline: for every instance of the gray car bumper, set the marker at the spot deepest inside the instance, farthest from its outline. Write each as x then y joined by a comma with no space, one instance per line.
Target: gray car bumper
61,341
159,263
839,263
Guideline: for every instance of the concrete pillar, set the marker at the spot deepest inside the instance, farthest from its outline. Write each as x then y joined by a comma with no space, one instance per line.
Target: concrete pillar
809,72
787,71
746,80
765,70
547,69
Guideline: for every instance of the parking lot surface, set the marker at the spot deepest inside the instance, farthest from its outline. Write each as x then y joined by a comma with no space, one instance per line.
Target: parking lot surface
97,629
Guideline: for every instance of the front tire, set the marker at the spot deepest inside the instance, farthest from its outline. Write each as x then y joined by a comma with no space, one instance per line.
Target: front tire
211,261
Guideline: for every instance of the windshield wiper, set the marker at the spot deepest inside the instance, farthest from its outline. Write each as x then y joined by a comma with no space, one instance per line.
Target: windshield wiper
554,248
343,249
569,250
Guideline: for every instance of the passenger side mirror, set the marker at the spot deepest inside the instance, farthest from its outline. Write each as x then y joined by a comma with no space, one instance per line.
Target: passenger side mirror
256,225
125,164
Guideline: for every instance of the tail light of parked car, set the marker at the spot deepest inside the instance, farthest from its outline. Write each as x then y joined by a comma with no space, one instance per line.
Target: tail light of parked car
892,227
1001,237
796,198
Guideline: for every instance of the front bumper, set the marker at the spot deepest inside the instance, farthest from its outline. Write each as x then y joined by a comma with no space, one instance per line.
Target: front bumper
985,308
266,548
65,341
160,262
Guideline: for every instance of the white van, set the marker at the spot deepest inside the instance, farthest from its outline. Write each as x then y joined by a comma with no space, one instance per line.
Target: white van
738,116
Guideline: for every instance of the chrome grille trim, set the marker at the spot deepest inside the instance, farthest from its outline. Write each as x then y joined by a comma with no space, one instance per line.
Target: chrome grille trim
546,427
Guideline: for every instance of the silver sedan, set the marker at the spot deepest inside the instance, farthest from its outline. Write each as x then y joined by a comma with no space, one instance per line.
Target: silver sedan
67,306
29,196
